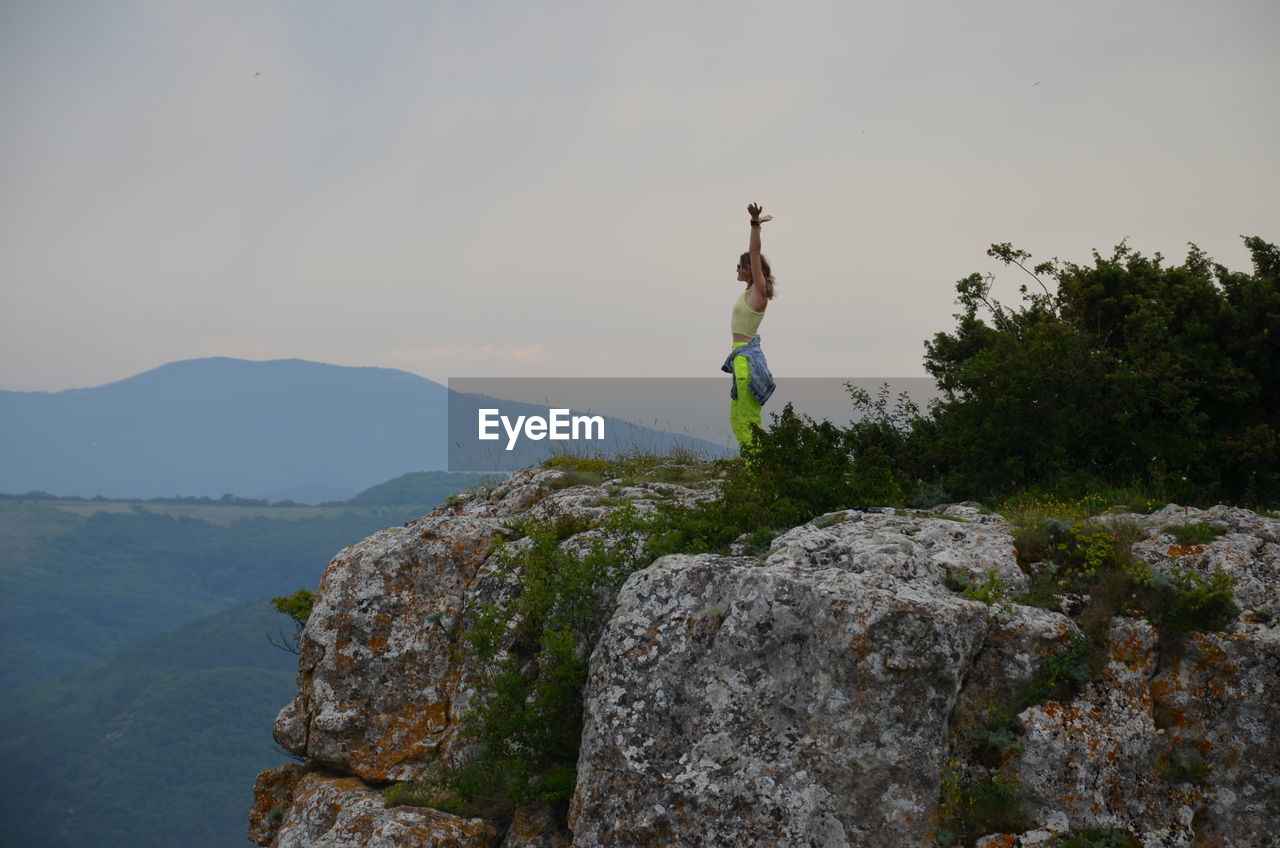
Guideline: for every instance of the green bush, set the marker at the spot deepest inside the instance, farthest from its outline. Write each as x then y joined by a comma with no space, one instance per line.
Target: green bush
529,719
297,606
1126,372
968,809
1187,602
1185,764
1092,559
1102,837
1194,533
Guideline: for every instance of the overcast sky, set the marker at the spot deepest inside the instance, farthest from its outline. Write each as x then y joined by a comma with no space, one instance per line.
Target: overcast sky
558,188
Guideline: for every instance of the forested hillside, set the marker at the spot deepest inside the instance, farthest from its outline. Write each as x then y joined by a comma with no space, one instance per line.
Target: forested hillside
84,588
155,747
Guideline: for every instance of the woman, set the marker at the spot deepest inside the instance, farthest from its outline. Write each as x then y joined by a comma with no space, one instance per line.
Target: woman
752,383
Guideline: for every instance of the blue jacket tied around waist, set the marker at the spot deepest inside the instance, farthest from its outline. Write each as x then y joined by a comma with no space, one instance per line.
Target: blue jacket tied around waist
761,384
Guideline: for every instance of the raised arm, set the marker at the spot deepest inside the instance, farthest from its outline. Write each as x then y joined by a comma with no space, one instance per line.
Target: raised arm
758,297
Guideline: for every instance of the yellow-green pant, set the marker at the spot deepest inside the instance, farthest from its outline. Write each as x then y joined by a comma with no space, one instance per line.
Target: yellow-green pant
743,411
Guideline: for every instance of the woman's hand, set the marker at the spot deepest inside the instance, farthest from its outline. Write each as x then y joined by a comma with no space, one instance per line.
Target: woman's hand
754,209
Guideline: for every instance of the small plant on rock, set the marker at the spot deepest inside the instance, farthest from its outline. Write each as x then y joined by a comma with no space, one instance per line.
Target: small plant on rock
1194,533
529,720
1102,837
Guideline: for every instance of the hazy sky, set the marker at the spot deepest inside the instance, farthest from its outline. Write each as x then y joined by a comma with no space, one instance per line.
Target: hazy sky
558,188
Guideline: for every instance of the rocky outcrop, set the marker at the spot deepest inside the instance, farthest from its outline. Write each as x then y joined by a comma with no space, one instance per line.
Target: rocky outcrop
804,699
342,812
381,689
827,693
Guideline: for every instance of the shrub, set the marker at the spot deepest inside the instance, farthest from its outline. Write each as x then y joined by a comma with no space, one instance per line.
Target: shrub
529,719
1187,602
1126,371
297,606
968,809
989,589
1194,533
1102,837
1185,764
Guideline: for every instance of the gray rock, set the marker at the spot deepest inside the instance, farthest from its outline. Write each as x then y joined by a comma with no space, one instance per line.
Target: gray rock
1190,748
911,547
737,704
1248,550
1091,759
338,812
381,689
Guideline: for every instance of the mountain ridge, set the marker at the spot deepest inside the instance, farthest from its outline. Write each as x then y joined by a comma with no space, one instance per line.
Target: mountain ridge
207,427
220,424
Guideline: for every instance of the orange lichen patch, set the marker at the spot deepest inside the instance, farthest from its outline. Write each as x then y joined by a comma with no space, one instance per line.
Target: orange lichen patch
272,797
1185,550
1130,651
406,735
343,661
1214,654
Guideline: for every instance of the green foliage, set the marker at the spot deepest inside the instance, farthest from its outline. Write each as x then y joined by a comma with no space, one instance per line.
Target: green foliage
1102,837
1194,533
1092,559
989,589
797,470
968,809
793,472
1066,672
297,606
1129,371
679,467
529,721
1185,764
1188,603
478,788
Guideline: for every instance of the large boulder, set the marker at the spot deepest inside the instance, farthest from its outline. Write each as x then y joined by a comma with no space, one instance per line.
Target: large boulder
381,688
800,701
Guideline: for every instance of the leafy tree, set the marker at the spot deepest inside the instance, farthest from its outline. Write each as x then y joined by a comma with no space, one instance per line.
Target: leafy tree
1129,371
298,607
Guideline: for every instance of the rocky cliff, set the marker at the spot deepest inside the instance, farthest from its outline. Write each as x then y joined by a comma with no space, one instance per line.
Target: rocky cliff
870,680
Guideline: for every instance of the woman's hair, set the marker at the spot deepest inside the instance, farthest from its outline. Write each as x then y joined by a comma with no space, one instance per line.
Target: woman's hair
770,282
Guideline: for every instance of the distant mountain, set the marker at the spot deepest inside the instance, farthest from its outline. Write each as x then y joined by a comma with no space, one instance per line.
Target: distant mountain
210,426
283,429
420,487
